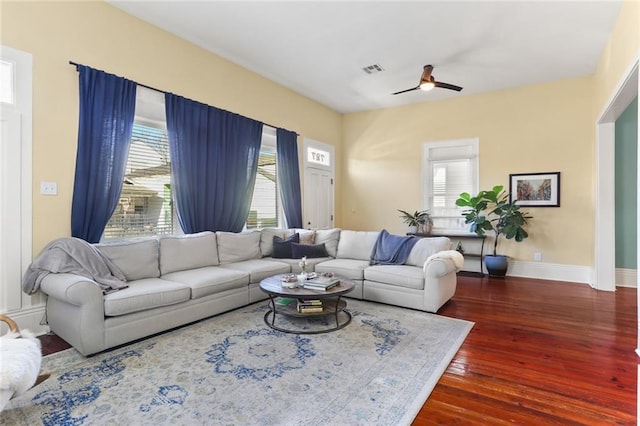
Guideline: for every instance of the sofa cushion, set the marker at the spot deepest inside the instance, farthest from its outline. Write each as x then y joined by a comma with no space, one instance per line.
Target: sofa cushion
399,275
188,252
147,293
425,247
307,236
356,244
347,268
238,246
298,251
209,280
136,258
259,269
330,239
282,246
266,239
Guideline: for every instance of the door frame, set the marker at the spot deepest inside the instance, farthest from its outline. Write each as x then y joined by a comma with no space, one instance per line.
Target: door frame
26,310
310,143
604,277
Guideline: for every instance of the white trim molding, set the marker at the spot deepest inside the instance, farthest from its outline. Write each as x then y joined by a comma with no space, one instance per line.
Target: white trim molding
550,271
626,277
626,90
16,240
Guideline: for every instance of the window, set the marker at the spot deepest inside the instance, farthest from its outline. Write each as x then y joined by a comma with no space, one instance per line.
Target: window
7,82
318,156
449,168
265,206
146,206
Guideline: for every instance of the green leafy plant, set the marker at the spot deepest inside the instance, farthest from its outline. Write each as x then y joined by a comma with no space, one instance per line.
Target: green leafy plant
492,211
421,217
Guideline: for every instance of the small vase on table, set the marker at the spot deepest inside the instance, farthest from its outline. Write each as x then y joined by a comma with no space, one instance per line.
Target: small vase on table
303,274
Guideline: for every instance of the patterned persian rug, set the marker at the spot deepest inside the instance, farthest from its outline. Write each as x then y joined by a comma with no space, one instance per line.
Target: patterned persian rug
234,370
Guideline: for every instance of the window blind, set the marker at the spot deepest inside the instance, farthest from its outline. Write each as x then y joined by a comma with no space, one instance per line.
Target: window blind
145,206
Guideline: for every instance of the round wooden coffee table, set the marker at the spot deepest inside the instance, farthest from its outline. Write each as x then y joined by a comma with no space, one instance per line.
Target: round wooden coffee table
332,303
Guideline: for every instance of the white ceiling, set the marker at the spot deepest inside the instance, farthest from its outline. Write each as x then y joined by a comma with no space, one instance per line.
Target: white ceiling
318,48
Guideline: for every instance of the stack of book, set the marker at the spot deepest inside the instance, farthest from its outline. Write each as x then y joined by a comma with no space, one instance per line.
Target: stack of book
321,283
308,306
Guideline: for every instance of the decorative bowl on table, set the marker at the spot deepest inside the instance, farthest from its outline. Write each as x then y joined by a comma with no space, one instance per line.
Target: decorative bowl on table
289,281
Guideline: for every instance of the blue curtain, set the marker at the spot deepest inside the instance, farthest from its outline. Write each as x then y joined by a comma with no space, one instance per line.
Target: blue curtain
214,161
107,107
289,176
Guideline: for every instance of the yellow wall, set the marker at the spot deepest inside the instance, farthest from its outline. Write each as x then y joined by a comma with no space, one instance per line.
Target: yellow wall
541,128
548,127
103,37
538,128
619,54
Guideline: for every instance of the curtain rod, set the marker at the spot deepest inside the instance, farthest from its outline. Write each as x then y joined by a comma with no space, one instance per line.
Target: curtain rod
75,64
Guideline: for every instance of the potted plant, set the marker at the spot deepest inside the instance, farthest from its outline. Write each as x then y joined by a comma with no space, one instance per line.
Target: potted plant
418,222
492,211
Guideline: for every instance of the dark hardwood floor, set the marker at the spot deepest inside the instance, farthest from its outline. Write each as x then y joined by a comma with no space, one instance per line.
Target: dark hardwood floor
541,352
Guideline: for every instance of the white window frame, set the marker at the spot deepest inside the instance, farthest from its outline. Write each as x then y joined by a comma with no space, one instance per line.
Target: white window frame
467,148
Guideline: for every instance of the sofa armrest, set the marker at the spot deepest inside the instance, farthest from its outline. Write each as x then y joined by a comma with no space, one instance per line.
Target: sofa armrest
443,263
73,289
75,311
440,278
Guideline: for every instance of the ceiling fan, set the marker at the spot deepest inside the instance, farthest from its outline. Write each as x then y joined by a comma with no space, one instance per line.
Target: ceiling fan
427,82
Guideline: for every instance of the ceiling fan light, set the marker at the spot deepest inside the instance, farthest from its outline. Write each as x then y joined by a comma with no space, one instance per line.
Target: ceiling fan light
427,85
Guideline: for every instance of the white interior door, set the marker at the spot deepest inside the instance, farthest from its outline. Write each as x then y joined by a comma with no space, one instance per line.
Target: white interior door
318,185
10,211
318,199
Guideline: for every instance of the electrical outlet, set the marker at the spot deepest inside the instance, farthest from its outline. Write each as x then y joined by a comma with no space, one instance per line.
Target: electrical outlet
537,256
48,188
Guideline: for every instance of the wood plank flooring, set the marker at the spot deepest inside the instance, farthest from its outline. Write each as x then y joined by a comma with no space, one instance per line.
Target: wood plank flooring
541,352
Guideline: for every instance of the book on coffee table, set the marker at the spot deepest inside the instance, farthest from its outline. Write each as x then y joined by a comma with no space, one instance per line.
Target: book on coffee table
322,283
309,306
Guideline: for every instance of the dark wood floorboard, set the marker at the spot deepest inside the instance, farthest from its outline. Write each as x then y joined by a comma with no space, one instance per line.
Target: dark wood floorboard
541,352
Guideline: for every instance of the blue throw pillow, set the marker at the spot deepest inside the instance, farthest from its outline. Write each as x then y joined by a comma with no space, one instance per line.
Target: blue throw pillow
298,251
282,247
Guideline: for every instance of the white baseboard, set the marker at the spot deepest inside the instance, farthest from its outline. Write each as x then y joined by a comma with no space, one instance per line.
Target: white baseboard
550,271
626,277
30,319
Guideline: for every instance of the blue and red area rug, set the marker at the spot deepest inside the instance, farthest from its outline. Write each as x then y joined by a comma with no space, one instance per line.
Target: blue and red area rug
233,369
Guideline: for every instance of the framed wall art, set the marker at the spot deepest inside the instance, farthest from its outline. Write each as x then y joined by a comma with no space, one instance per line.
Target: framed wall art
535,189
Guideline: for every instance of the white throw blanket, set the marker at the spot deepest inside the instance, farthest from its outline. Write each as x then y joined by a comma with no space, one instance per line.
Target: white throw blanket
75,256
455,257
20,359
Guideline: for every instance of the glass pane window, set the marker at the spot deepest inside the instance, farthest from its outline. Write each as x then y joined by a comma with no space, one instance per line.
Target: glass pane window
145,206
265,209
318,156
7,82
451,168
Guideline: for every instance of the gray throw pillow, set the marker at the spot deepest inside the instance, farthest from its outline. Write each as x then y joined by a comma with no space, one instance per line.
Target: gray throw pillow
282,247
298,251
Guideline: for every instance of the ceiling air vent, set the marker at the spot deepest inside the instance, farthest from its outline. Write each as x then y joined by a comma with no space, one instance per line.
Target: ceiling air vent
372,69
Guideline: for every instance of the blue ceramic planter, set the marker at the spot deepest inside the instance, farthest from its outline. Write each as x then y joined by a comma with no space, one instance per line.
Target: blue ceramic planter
496,265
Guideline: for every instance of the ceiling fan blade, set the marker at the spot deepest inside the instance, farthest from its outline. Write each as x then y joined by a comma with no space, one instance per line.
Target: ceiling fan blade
447,86
407,90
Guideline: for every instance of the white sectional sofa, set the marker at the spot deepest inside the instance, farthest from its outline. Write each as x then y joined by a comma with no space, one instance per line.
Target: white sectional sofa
177,280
